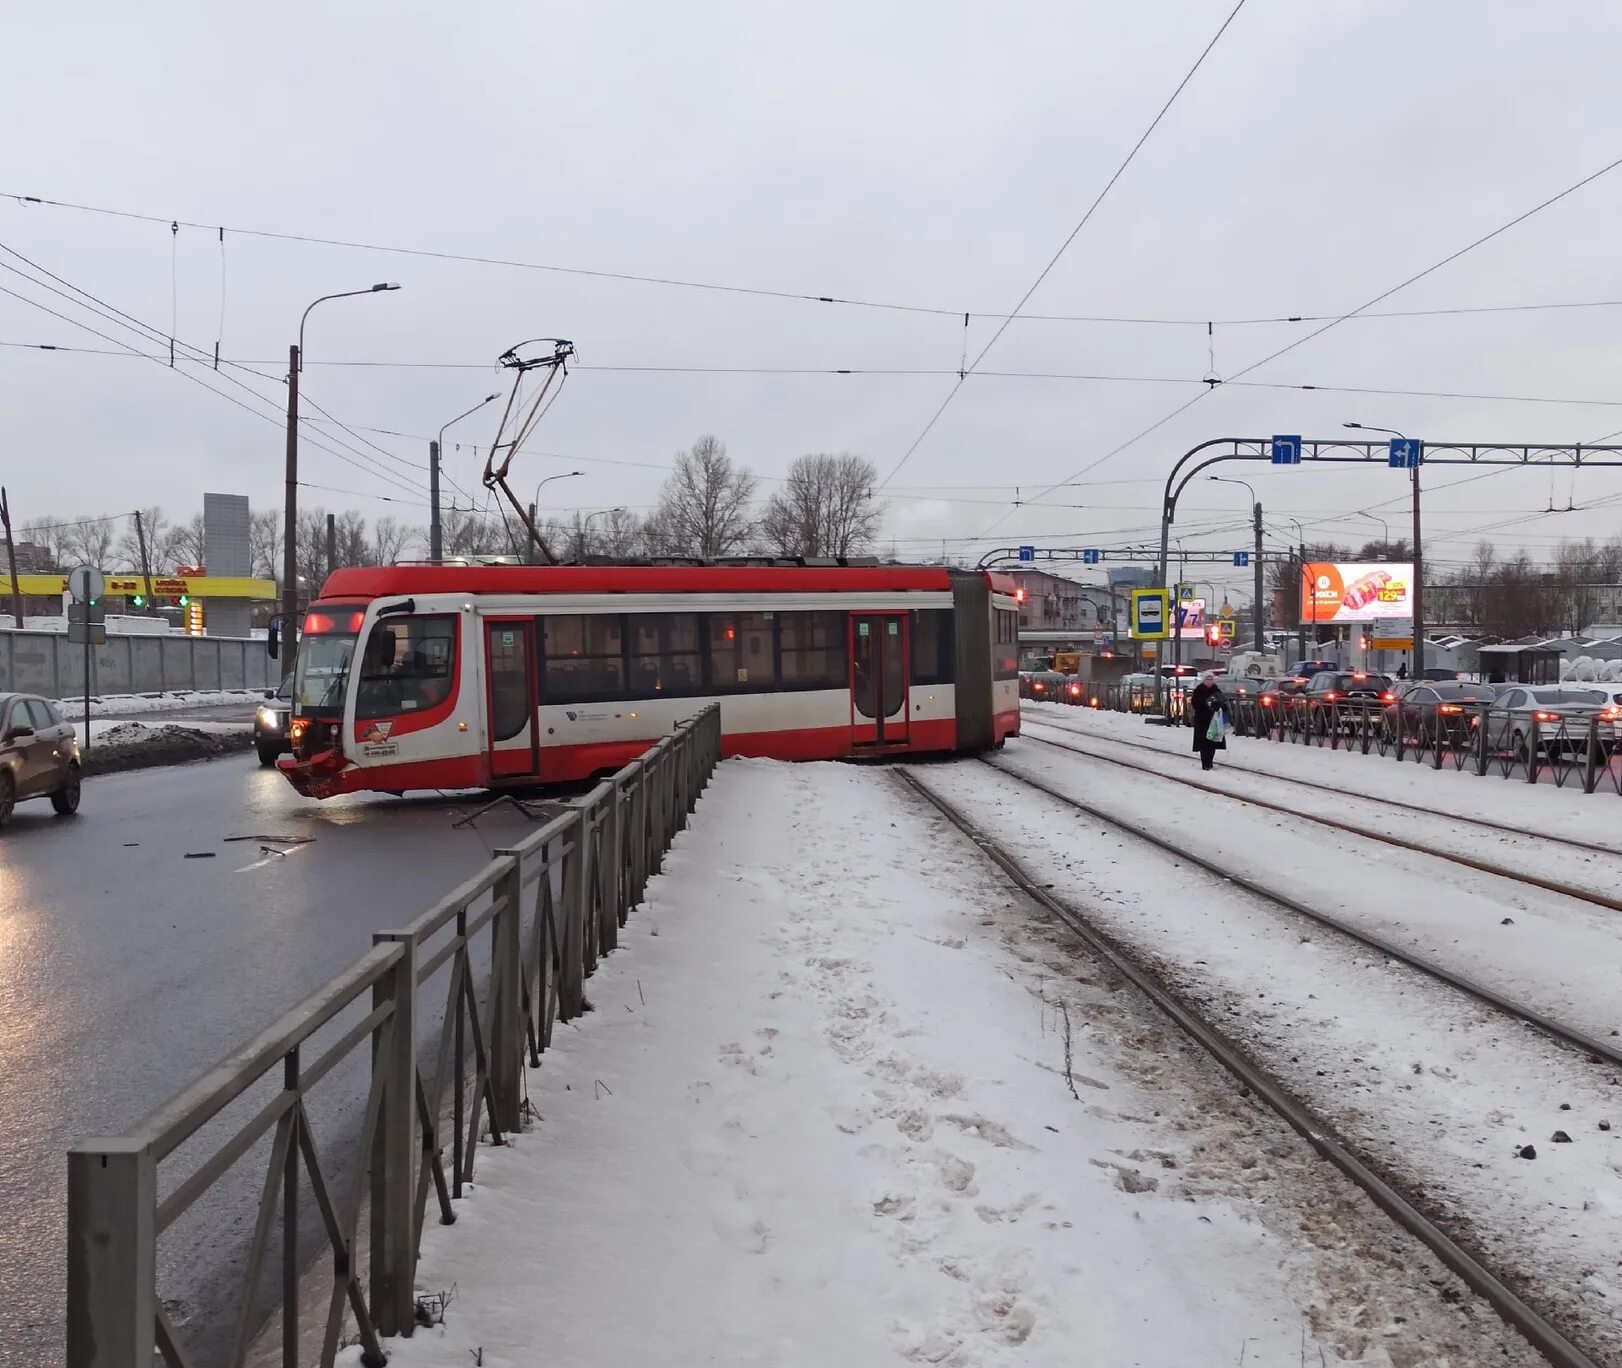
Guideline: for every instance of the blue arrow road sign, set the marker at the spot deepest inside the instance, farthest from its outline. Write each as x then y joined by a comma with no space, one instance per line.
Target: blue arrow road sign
1287,450
1241,559
1091,556
1404,453
1027,553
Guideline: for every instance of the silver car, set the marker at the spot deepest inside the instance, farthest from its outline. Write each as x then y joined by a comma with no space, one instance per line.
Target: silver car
1560,712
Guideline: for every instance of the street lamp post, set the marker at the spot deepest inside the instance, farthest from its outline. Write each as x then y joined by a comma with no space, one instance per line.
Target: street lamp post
529,551
1385,530
436,540
1418,590
1301,574
295,363
1255,555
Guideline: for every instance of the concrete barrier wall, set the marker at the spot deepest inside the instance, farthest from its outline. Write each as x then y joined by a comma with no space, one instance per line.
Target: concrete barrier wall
44,663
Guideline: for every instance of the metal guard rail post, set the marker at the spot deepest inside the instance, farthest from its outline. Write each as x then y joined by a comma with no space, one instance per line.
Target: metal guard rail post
577,877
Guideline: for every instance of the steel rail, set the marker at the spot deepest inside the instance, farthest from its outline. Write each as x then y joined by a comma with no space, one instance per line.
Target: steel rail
1454,857
1593,847
1510,1304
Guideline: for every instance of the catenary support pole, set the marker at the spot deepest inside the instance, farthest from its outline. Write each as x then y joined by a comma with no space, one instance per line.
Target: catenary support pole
1257,611
332,542
436,543
1419,587
289,636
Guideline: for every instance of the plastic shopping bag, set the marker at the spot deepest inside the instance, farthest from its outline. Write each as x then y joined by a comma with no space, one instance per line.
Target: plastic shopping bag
1215,731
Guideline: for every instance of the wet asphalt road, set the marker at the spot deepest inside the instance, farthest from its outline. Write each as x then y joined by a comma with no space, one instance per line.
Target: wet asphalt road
128,968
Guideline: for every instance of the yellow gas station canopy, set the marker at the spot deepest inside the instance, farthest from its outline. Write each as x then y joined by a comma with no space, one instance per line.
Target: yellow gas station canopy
157,586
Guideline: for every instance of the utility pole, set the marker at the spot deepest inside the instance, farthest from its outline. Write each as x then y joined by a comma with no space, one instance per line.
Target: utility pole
289,641
529,546
11,558
1256,560
332,542
1300,625
146,567
436,538
1419,587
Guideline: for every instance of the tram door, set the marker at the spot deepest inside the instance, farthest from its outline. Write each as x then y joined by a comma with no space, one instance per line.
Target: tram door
879,671
509,653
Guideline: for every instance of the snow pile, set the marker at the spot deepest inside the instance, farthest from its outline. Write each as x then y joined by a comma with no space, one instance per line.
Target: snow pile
843,1099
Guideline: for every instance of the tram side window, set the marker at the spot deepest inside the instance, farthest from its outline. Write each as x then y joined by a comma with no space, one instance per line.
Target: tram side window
584,659
663,654
407,666
933,646
741,652
813,651
1006,651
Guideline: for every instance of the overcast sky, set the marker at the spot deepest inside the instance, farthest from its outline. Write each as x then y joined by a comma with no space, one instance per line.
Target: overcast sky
932,154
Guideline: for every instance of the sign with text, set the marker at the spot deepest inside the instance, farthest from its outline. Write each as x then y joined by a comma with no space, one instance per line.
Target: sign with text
1364,591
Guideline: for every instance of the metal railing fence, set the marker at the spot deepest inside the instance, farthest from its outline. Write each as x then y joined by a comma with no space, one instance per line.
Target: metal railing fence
577,877
1583,752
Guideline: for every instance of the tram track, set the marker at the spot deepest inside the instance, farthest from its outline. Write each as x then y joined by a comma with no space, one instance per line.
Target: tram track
1337,791
1521,876
1509,1301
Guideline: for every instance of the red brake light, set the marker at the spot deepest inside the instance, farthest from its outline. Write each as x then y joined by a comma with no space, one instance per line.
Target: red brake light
1331,696
1611,714
1075,691
317,622
1546,717
1359,676
1388,697
1451,709
1267,700
1037,686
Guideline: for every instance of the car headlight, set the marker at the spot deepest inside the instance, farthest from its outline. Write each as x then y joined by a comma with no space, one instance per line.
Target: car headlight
268,721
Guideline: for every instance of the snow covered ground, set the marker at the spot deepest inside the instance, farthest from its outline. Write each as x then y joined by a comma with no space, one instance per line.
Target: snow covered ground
845,1098
1441,1092
137,705
104,732
1564,811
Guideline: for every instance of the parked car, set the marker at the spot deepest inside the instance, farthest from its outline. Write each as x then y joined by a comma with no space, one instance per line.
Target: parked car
1561,713
1307,670
1429,710
39,755
1436,673
1331,691
270,731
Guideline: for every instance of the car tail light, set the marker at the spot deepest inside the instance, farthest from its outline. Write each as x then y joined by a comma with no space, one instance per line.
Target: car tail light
1075,691
1545,717
1036,686
1612,714
297,728
1331,696
1451,709
1267,700
1388,698
1093,701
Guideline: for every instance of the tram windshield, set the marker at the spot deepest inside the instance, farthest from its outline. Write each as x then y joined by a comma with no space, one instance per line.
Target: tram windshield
325,651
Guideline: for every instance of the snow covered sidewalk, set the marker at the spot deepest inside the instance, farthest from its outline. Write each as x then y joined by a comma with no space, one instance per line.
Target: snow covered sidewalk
843,1099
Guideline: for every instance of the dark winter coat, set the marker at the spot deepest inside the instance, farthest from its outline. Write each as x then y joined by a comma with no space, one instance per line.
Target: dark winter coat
1203,704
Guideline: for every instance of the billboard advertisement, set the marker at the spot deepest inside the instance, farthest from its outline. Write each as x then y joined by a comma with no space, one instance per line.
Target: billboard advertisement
1340,592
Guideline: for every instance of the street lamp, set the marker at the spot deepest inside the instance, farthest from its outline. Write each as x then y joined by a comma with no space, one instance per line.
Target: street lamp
436,544
1255,555
535,505
1385,530
295,364
1418,589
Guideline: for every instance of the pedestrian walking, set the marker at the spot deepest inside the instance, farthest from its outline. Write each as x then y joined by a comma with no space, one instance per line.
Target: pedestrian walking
1402,669
1209,710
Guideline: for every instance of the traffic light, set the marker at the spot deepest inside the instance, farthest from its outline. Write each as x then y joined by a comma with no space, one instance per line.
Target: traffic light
139,601
185,600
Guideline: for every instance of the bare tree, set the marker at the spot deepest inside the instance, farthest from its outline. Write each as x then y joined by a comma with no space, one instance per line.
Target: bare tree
1577,574
824,508
620,534
265,544
186,543
90,541
390,539
155,528
703,508
54,536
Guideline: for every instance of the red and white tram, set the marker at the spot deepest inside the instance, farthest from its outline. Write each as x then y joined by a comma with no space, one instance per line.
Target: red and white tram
446,676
